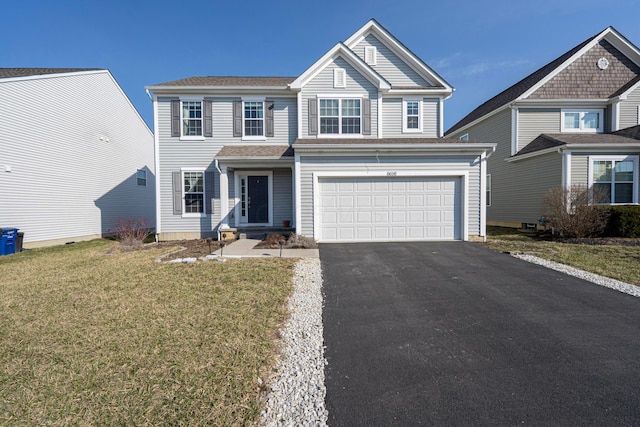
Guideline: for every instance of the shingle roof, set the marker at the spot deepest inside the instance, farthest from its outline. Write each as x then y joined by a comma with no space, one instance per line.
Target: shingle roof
24,72
513,92
230,81
545,141
365,141
631,132
255,151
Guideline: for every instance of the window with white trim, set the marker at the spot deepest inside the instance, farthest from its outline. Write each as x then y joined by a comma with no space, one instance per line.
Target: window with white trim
191,112
141,177
339,78
340,116
370,55
464,137
582,121
614,178
193,192
411,115
488,189
253,119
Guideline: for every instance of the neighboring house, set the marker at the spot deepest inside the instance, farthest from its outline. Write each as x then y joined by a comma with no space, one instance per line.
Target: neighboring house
75,155
559,127
350,150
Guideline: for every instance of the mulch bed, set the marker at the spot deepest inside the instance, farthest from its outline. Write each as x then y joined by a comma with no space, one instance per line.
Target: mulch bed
193,248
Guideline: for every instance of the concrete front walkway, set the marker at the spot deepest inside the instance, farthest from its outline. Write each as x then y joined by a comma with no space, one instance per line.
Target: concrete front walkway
244,248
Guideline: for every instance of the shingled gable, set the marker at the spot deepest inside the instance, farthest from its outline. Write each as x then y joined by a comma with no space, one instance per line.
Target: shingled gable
340,49
611,40
397,47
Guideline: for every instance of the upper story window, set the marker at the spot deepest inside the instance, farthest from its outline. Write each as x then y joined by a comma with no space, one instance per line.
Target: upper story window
141,177
582,121
412,115
254,118
614,179
191,118
340,116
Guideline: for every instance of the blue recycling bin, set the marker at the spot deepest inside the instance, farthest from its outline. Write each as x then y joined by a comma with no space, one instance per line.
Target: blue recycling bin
8,240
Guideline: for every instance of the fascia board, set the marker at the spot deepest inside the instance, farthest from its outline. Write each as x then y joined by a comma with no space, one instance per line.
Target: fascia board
420,91
561,103
218,90
626,93
397,47
52,75
564,65
573,147
623,44
474,147
349,56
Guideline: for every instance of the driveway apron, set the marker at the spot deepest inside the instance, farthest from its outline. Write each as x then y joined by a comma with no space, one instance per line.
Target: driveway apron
453,333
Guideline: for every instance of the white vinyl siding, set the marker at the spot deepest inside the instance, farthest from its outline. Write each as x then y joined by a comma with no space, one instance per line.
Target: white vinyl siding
73,144
389,65
630,110
323,84
393,118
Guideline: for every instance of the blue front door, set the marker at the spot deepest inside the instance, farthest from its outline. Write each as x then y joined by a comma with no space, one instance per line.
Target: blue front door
258,199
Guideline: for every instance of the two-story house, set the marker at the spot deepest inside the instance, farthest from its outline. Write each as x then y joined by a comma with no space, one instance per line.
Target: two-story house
562,126
350,150
76,158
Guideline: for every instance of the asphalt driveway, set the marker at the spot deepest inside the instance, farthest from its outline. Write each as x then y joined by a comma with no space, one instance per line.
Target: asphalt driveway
456,334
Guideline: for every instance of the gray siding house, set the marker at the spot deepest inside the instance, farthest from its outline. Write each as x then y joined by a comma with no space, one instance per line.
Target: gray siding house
561,126
75,155
350,150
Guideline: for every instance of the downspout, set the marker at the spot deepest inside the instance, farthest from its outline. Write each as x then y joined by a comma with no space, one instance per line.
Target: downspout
215,163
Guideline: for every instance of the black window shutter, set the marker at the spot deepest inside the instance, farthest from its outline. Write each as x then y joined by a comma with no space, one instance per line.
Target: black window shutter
177,192
366,116
268,118
207,119
175,118
208,187
237,118
313,116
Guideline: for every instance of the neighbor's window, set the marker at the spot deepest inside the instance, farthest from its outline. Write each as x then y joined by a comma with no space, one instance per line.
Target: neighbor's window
141,177
615,179
191,118
340,116
193,192
582,120
411,113
488,189
253,118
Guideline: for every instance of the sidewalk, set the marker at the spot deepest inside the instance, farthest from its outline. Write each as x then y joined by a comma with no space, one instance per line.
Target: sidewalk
244,248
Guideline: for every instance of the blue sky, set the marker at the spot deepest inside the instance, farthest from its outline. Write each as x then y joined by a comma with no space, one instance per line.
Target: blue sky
480,47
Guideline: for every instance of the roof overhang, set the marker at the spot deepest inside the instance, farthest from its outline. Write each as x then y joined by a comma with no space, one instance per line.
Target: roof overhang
386,38
53,75
396,148
350,57
605,147
220,90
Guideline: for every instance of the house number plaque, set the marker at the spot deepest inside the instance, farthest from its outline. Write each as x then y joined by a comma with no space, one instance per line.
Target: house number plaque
392,173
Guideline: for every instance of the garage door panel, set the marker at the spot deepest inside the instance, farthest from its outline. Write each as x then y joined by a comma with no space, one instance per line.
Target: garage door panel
385,208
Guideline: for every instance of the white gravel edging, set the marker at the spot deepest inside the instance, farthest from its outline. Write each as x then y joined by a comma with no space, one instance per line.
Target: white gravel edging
298,390
626,288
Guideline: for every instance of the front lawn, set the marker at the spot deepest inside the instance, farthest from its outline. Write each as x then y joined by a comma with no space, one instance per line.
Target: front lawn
608,258
95,339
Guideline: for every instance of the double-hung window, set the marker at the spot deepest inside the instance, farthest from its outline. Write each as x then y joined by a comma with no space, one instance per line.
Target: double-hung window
340,116
193,190
582,121
141,177
614,179
253,118
192,118
411,115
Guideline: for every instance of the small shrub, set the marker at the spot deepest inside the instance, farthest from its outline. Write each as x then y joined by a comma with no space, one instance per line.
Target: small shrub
131,231
572,212
297,241
624,221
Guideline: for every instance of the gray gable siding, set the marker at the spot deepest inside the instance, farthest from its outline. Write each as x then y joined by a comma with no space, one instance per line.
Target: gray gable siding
582,79
389,65
74,144
629,115
364,164
392,119
323,84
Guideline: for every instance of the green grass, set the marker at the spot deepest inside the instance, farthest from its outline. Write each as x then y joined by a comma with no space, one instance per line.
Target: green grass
96,339
616,261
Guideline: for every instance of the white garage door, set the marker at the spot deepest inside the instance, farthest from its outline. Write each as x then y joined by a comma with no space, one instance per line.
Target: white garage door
387,209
